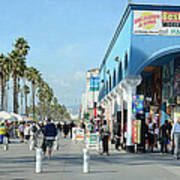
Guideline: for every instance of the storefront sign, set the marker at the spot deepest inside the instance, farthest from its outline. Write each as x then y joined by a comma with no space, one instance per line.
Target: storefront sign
138,104
92,141
147,22
157,23
94,84
78,134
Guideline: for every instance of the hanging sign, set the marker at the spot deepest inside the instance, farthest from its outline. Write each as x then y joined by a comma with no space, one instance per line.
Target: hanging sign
138,104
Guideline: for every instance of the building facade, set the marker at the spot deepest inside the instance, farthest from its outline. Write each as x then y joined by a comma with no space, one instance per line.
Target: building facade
90,97
142,64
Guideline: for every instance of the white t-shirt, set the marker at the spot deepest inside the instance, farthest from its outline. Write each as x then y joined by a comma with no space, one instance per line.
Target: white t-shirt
176,129
27,130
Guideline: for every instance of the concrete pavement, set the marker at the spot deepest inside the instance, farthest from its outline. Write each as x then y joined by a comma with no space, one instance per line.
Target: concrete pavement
66,164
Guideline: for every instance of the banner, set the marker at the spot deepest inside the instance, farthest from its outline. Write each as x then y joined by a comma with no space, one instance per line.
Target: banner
147,22
94,84
136,131
138,104
165,23
77,134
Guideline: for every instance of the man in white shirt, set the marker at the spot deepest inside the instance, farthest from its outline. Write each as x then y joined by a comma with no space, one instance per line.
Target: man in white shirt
176,133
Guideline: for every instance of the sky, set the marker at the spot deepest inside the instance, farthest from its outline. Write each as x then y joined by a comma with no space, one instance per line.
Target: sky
67,37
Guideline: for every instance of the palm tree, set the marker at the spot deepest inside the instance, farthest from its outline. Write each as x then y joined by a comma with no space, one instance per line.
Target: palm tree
34,76
26,92
5,68
18,61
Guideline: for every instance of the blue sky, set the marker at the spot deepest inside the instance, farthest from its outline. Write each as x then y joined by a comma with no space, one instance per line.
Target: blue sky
67,37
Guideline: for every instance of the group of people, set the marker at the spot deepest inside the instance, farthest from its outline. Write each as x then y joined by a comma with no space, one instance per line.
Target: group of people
30,131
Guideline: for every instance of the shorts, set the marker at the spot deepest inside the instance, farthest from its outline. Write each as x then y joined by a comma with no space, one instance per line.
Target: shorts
49,143
22,134
27,137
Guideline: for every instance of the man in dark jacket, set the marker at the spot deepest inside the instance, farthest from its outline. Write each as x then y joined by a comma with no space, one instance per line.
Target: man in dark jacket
164,134
50,133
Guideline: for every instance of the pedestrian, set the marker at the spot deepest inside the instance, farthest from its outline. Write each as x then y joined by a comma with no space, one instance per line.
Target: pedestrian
3,130
49,133
21,131
27,132
105,137
65,129
164,135
117,136
151,135
176,133
71,125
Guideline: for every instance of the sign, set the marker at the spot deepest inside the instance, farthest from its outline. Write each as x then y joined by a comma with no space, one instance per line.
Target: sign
147,22
77,134
94,84
136,132
138,104
92,141
157,23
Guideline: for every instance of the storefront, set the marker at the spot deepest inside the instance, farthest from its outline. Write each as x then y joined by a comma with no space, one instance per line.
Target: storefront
143,58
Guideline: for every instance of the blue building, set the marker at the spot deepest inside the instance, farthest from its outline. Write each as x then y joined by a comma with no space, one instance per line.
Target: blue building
143,58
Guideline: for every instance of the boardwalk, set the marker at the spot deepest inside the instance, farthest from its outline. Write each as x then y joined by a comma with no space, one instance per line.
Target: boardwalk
19,164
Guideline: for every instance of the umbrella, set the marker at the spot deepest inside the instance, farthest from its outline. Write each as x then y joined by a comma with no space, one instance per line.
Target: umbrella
17,116
5,115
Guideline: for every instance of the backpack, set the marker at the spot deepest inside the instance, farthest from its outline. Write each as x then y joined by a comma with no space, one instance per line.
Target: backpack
34,128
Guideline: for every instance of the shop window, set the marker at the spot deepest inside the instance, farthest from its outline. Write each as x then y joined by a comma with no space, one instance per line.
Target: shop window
126,62
114,79
107,87
120,72
110,83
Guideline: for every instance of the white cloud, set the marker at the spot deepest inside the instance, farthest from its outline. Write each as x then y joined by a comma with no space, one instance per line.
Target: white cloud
79,76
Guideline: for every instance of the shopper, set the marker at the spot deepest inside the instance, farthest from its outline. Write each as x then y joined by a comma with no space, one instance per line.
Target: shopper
65,129
176,133
49,133
21,132
117,136
105,137
27,132
71,125
164,135
151,135
3,130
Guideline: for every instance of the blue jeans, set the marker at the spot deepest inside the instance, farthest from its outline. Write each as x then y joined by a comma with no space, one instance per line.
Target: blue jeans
2,138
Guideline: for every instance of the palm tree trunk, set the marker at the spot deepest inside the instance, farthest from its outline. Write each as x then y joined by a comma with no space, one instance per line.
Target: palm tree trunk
26,107
33,98
2,93
15,95
7,95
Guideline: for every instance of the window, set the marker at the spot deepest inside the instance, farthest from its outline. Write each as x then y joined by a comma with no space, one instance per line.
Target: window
114,78
120,72
110,83
107,87
126,62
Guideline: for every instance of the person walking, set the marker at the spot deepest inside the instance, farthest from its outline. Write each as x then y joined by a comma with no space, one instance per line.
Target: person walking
105,137
21,132
176,133
65,129
164,135
71,125
27,131
3,131
151,135
49,133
